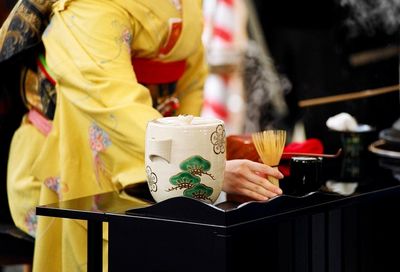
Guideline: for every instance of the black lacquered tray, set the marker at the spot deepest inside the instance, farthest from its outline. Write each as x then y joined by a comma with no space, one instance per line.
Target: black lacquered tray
229,213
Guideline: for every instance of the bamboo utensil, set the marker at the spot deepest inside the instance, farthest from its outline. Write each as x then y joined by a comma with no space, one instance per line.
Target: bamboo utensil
347,96
269,145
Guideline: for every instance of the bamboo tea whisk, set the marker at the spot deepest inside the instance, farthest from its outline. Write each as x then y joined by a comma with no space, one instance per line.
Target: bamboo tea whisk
269,145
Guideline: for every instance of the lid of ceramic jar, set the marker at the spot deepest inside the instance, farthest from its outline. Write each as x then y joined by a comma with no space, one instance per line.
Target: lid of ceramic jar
185,121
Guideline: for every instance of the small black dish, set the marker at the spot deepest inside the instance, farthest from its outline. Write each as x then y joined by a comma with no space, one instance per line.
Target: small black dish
390,135
385,149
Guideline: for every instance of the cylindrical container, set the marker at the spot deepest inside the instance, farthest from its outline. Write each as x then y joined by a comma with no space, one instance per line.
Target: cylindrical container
356,158
305,174
185,156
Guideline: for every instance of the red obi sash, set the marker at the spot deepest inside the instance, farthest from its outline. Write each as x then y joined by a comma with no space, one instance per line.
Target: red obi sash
150,71
147,71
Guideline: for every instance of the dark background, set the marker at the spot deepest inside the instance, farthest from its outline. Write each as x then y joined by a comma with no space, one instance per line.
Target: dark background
311,43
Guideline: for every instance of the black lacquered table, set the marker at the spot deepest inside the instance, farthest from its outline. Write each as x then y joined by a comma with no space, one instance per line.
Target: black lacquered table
332,229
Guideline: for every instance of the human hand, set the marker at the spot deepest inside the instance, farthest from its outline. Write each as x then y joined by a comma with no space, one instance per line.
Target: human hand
247,180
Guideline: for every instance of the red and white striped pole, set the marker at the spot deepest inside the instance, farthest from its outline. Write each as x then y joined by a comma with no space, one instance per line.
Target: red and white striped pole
220,39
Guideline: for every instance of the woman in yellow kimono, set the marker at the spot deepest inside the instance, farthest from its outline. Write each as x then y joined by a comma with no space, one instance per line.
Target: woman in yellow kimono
97,81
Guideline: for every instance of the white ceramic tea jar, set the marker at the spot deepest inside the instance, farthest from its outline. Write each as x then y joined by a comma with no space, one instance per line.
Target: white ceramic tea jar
185,156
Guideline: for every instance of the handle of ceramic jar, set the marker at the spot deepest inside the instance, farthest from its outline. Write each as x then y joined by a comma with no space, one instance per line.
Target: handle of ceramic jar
159,149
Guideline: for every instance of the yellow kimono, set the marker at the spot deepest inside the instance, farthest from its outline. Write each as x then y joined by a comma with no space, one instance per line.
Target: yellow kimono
96,139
